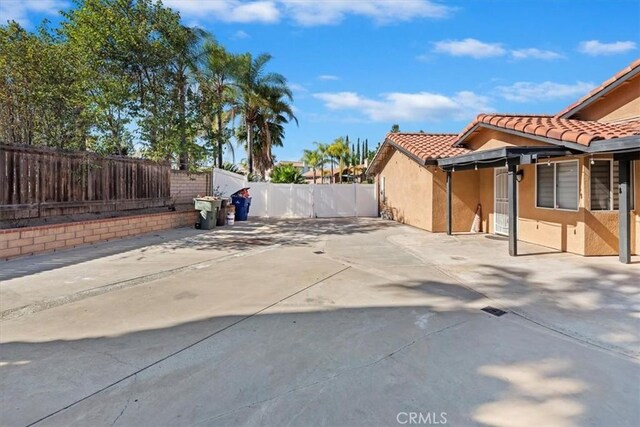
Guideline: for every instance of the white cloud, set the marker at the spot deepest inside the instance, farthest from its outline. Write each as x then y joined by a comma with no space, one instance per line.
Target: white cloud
470,47
309,13
328,77
239,35
596,47
297,87
535,53
545,91
263,11
408,107
17,10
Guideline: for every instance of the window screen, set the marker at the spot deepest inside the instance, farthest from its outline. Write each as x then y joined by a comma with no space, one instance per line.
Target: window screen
616,182
545,185
567,185
604,186
601,185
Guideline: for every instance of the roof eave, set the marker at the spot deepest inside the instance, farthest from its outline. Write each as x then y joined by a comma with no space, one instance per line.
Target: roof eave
593,98
388,142
566,144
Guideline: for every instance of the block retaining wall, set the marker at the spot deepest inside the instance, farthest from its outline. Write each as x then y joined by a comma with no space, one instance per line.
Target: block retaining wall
185,186
15,242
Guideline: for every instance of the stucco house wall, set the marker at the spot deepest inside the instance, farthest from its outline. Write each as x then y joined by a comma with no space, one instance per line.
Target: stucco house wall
582,232
488,139
621,104
416,195
408,191
464,199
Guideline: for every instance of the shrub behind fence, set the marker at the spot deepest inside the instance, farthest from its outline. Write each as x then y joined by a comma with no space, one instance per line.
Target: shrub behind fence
39,182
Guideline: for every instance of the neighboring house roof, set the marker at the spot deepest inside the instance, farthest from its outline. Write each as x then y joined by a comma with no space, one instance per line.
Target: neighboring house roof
297,164
309,173
562,130
620,77
421,147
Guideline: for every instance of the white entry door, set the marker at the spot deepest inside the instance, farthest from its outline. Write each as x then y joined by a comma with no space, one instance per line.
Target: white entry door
501,194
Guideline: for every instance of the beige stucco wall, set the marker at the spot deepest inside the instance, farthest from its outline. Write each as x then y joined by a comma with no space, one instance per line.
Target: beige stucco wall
581,232
554,228
416,195
623,103
601,227
408,191
488,139
464,199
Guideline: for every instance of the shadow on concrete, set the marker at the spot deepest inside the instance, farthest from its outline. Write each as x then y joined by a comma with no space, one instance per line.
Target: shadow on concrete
240,237
223,370
596,305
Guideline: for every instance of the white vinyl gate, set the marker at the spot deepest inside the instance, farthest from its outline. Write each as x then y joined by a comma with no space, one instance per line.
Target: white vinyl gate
501,194
301,200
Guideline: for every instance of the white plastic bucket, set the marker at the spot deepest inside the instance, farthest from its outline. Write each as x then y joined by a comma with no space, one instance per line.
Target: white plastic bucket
231,218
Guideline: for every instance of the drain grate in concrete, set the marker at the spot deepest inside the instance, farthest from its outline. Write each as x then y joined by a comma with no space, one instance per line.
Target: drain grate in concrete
495,311
318,252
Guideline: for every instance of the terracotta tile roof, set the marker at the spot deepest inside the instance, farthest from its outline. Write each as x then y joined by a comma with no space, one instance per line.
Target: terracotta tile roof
426,146
565,130
620,75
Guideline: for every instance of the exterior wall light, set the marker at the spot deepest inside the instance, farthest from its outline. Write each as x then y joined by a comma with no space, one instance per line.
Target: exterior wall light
519,175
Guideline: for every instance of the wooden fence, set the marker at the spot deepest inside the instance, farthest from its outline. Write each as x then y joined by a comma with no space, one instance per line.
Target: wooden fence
40,182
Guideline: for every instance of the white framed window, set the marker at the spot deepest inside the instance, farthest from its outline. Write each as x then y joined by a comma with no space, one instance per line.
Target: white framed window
382,189
605,179
557,185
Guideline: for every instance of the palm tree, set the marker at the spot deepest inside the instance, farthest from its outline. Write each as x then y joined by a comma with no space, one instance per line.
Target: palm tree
218,93
314,159
322,151
332,152
262,100
338,151
270,131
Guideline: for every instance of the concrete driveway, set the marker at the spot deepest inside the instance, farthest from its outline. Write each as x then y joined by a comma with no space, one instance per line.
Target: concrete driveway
318,322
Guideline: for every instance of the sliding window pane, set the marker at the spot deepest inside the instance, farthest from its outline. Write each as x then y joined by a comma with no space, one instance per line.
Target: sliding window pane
601,185
567,185
544,185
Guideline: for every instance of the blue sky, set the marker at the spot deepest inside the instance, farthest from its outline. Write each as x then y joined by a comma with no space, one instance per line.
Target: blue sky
357,67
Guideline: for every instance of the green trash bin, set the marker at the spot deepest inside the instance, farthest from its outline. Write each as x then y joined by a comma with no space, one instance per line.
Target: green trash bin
209,208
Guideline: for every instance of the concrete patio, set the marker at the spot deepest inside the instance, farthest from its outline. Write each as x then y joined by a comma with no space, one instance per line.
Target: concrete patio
318,322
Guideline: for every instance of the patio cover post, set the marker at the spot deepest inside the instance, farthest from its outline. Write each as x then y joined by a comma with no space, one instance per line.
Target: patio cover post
449,210
624,212
512,189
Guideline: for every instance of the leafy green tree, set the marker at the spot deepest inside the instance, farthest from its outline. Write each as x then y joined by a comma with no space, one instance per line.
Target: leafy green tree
286,174
117,72
42,94
395,128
